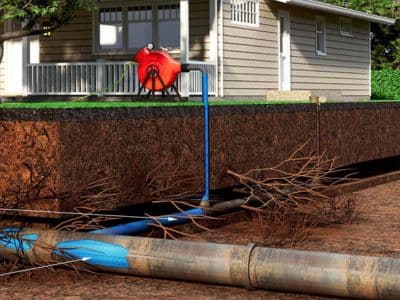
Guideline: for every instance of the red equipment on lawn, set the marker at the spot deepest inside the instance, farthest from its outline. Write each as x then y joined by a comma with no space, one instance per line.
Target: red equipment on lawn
157,71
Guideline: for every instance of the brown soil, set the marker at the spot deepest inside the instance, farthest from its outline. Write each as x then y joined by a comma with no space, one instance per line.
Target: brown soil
377,233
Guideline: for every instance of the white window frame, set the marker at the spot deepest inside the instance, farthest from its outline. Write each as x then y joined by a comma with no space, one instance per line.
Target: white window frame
96,48
240,16
349,21
318,32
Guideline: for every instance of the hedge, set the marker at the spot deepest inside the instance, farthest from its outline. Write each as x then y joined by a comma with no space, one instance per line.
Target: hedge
386,84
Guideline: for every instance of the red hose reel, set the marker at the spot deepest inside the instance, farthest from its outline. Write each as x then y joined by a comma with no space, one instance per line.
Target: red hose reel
157,71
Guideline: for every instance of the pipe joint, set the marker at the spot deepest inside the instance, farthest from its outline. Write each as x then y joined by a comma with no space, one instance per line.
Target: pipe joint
247,263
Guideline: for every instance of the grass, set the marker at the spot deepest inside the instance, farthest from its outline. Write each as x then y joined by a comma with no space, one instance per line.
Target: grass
105,104
126,104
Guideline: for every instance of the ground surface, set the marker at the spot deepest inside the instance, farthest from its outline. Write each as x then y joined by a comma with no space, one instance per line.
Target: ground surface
377,233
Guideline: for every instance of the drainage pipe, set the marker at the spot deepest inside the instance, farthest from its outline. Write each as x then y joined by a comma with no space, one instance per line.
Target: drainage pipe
142,226
329,274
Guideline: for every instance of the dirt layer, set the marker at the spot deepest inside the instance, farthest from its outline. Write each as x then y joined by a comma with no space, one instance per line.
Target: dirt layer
376,233
47,154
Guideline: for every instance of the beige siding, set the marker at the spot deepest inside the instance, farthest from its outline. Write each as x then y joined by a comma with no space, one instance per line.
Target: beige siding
345,68
74,42
71,43
250,54
199,28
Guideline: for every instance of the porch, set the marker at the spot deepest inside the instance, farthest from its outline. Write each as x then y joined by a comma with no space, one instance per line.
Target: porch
108,78
93,54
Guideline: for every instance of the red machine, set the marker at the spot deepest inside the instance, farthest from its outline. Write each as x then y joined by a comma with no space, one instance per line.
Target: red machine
157,70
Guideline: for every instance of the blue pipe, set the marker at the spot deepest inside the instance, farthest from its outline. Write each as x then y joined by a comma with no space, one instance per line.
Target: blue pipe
181,217
144,225
206,196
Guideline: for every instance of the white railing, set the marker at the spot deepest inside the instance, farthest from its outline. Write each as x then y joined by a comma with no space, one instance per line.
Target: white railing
195,84
99,78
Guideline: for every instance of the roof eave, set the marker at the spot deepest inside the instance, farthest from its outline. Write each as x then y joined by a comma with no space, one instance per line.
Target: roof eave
340,11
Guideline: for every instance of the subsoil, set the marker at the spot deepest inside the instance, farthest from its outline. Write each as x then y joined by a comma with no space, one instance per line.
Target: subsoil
46,154
376,233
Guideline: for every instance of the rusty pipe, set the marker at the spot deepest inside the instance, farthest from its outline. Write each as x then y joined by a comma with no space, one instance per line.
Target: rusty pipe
253,267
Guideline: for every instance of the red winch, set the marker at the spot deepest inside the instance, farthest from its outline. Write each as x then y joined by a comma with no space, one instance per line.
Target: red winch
157,70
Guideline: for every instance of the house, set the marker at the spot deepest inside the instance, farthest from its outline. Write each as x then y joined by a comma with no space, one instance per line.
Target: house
252,49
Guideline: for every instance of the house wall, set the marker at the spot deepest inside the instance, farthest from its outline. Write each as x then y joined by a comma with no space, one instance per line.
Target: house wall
73,42
344,72
250,54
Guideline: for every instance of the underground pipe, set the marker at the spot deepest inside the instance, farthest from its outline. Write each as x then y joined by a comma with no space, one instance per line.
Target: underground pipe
138,227
329,274
142,226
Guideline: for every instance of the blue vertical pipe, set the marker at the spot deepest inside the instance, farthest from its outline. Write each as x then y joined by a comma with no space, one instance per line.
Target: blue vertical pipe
206,196
181,217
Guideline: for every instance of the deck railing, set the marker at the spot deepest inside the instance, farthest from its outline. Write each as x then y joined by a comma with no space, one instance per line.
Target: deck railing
99,78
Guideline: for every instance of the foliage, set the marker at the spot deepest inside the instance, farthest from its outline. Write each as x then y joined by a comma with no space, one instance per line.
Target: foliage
38,11
385,39
386,84
38,16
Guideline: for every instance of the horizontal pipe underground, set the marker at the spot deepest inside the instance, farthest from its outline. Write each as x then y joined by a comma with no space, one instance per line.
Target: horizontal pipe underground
142,226
320,273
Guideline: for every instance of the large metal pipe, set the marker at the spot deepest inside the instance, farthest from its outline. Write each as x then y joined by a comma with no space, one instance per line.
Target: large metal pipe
249,266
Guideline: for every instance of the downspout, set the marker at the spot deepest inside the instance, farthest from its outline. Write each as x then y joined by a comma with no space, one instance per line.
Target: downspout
252,267
370,60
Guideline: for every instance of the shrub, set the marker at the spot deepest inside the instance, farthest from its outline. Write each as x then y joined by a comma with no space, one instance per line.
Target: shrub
386,84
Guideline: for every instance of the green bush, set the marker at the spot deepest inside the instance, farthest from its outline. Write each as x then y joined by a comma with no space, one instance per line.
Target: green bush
386,84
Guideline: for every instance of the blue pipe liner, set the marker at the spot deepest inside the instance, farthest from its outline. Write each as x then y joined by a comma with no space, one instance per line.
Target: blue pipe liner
12,239
204,81
144,225
99,253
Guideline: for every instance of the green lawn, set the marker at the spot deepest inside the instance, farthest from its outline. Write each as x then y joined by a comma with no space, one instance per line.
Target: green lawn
104,104
108,104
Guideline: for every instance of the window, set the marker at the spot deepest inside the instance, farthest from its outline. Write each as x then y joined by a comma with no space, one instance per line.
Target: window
140,26
320,35
127,28
346,27
168,25
245,12
110,28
